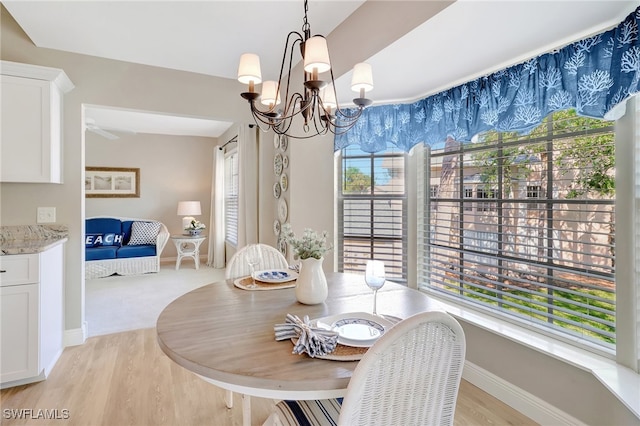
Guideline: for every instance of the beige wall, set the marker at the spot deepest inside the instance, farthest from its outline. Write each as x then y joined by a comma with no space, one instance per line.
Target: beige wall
311,188
172,169
109,83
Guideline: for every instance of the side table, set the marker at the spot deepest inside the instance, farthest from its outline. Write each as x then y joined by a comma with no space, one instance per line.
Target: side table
188,246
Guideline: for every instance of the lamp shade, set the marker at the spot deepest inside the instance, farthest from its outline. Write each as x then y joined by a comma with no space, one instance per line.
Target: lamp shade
316,54
328,96
362,77
270,93
249,69
189,208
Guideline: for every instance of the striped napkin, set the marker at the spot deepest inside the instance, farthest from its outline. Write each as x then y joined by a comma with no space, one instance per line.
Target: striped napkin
311,340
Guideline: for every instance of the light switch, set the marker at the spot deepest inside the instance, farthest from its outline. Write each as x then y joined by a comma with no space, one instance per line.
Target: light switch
46,215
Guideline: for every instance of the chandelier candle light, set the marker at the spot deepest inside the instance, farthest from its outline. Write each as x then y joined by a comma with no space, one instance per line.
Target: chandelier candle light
317,102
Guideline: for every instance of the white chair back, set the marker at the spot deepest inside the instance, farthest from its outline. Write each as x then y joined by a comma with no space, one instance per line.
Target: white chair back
271,259
410,376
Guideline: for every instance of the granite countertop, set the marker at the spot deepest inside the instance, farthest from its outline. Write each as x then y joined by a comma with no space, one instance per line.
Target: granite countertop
30,239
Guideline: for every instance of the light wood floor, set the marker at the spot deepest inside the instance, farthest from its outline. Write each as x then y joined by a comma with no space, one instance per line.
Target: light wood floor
125,379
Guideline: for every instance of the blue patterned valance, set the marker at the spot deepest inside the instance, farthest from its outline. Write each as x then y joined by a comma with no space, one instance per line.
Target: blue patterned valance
593,76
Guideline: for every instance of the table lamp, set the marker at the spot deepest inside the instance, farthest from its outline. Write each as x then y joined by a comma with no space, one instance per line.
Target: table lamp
188,209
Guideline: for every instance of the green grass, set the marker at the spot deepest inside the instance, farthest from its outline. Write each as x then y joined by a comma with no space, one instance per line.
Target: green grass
562,299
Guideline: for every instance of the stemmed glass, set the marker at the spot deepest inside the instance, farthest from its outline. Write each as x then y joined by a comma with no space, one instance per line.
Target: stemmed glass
374,276
254,258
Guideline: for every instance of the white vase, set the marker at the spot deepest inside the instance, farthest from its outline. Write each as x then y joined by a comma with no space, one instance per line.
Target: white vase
311,285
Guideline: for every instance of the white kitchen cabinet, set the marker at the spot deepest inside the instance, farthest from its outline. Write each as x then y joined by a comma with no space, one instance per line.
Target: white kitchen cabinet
31,116
32,319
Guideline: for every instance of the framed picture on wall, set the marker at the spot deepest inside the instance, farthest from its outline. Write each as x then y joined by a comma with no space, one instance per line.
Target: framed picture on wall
112,182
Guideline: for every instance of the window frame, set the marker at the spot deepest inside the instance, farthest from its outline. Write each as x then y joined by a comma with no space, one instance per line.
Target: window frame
373,198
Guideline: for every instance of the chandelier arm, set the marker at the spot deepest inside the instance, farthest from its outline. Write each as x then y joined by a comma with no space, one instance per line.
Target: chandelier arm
255,119
290,114
300,40
350,117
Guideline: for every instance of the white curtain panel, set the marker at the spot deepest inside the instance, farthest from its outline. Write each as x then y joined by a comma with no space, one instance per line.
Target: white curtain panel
216,223
248,182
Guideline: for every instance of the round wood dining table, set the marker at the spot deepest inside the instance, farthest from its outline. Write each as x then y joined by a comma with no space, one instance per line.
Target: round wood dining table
225,335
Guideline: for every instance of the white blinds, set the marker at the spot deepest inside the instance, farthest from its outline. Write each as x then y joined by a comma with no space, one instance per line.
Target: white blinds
231,197
373,213
526,225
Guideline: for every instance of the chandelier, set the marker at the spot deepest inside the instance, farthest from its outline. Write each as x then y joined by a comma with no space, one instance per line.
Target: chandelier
317,102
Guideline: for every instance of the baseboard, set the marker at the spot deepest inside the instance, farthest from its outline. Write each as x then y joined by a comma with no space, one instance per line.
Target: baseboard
531,406
76,336
48,368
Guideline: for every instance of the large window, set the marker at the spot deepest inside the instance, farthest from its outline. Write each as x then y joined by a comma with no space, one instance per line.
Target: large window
373,211
542,250
231,197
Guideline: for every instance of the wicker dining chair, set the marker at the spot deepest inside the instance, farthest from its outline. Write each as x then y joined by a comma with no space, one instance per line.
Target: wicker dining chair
239,267
410,376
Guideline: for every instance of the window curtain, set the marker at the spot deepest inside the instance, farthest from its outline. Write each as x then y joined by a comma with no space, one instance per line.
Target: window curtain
248,183
216,257
594,76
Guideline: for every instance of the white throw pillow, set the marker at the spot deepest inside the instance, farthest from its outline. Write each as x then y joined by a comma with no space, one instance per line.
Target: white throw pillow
144,233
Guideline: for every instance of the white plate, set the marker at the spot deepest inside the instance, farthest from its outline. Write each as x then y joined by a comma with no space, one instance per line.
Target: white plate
283,210
277,190
277,164
275,276
357,329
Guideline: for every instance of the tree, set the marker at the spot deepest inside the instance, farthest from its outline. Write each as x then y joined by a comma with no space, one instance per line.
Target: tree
356,182
593,161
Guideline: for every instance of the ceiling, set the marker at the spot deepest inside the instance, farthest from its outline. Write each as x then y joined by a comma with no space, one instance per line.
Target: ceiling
416,48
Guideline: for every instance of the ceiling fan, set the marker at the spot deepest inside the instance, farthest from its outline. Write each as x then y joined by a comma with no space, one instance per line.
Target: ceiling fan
105,132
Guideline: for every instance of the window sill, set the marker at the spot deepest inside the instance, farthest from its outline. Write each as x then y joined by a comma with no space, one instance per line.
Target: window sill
621,381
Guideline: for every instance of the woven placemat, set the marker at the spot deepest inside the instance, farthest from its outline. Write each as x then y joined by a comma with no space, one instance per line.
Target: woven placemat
342,353
245,282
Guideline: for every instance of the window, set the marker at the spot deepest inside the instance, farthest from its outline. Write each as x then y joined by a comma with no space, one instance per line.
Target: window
533,193
372,212
468,193
551,266
485,193
231,197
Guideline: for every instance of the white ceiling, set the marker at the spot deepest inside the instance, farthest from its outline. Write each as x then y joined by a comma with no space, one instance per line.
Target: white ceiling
467,39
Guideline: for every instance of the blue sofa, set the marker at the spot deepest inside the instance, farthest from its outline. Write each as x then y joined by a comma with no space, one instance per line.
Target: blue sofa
123,246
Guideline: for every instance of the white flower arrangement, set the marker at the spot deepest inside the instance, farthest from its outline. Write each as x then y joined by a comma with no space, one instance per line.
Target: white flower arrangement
195,224
311,244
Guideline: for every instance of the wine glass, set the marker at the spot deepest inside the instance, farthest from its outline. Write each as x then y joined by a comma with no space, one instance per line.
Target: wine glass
254,258
374,277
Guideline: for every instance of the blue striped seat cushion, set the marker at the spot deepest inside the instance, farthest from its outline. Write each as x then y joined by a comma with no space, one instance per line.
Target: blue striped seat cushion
322,412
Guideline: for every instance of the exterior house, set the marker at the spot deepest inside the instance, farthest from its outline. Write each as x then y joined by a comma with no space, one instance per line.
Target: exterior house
504,363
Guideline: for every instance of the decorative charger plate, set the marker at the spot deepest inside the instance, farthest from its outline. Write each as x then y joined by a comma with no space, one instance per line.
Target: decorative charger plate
276,141
283,210
277,164
284,182
284,142
282,246
275,276
277,190
276,227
